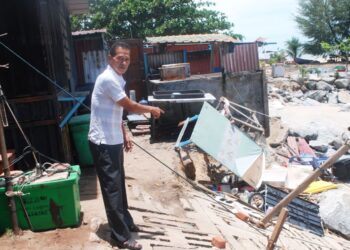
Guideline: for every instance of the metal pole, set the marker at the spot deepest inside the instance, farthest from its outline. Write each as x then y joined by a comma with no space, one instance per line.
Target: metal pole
285,201
6,169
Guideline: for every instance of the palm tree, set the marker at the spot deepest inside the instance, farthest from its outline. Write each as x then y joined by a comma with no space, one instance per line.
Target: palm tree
294,48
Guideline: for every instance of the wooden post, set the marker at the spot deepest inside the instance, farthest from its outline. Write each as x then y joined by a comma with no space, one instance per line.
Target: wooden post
285,201
277,230
6,168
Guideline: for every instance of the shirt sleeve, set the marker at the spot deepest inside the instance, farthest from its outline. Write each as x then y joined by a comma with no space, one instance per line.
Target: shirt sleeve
114,90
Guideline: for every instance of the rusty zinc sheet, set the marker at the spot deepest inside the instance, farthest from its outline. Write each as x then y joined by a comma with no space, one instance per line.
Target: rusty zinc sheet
241,57
157,60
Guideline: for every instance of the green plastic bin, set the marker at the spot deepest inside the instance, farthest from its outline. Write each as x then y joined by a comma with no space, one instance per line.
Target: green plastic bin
50,205
79,128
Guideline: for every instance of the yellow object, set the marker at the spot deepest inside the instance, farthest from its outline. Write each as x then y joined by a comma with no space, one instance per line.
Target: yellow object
319,186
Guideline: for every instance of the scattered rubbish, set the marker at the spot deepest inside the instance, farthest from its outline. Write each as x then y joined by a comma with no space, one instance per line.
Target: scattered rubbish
320,186
301,212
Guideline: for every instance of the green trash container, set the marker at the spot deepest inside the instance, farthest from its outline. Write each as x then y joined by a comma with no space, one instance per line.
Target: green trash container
79,128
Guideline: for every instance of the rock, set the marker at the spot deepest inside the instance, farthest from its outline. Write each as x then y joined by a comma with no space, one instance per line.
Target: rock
311,85
345,136
322,85
298,94
319,146
218,242
342,83
335,210
344,96
278,132
304,89
307,133
336,143
314,77
332,98
328,79
318,95
310,102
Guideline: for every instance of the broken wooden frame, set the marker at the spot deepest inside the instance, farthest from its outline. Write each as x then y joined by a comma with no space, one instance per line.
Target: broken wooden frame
215,135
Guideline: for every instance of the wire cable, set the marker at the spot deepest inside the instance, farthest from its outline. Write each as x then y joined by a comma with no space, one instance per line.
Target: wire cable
42,74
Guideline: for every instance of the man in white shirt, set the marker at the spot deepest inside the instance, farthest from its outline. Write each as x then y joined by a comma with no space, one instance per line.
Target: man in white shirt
107,138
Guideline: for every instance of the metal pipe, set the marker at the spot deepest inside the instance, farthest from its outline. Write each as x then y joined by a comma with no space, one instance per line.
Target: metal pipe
286,200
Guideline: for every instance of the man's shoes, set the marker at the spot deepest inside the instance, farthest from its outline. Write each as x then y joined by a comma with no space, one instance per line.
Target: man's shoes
130,244
134,229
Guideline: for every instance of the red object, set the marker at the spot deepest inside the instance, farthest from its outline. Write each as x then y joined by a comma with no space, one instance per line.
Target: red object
304,148
219,188
242,215
218,242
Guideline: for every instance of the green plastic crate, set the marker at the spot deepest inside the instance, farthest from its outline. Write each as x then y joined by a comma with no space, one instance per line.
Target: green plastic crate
79,128
50,205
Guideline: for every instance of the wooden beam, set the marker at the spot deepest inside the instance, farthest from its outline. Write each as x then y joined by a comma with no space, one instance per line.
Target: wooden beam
277,230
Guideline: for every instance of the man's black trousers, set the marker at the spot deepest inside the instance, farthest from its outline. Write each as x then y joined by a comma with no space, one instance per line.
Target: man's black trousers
108,160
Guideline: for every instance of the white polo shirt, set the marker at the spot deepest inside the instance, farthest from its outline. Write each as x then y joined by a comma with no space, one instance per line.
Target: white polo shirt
106,114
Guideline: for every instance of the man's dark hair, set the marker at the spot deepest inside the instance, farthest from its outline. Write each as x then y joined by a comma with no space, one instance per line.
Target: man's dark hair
116,45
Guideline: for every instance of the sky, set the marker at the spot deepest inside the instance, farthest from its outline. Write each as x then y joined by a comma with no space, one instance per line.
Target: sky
270,19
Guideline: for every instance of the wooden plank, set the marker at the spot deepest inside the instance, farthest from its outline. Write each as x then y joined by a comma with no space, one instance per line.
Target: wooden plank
293,145
277,230
304,148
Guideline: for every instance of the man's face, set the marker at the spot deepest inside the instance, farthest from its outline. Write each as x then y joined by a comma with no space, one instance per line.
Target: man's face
121,61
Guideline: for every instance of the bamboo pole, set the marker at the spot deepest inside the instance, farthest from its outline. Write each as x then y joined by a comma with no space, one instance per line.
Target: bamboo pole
277,230
285,201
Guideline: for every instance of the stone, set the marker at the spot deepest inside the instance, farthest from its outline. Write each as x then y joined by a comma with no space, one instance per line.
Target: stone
322,85
336,143
344,96
308,133
342,83
335,209
332,97
311,85
318,95
319,146
310,102
328,79
298,94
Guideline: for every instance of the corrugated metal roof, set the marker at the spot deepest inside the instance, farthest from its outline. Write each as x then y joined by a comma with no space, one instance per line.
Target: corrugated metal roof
88,32
196,38
77,7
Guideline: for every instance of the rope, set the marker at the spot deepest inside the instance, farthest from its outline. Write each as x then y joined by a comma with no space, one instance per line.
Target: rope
42,74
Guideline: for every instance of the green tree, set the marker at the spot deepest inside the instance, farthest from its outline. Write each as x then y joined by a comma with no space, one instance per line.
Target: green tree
342,49
323,20
141,18
294,48
277,57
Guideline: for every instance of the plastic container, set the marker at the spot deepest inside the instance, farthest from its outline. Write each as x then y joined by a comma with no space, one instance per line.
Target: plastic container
52,204
172,72
79,128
